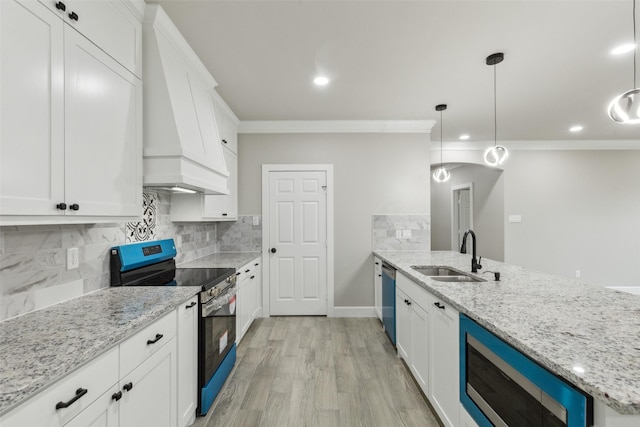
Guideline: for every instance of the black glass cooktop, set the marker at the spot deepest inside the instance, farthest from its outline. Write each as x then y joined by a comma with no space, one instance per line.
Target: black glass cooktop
205,278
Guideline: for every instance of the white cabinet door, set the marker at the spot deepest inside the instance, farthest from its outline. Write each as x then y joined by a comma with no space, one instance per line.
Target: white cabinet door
224,207
445,366
108,24
32,109
151,398
403,326
420,346
377,286
257,290
187,362
104,412
243,315
103,128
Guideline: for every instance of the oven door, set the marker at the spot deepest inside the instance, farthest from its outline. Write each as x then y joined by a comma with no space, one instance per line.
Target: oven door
501,387
218,334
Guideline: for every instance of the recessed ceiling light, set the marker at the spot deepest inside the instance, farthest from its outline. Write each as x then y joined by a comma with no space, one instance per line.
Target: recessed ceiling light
576,128
623,48
465,136
321,80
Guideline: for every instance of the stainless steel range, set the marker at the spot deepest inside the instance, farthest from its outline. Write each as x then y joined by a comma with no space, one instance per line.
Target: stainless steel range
153,264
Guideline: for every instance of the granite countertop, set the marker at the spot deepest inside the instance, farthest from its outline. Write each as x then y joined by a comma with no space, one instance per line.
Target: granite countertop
222,260
41,347
585,333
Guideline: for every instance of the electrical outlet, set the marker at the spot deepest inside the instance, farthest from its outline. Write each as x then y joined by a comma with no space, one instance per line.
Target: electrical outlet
577,274
73,259
515,218
406,234
398,234
256,220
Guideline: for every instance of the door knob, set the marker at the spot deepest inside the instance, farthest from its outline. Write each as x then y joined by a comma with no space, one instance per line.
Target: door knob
273,250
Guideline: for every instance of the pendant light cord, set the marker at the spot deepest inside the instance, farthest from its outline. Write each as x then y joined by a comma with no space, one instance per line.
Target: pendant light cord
635,42
495,108
440,139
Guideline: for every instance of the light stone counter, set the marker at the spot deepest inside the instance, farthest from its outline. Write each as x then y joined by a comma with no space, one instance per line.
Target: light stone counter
222,260
585,333
41,347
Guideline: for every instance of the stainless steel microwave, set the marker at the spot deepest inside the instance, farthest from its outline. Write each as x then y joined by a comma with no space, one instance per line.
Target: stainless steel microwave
499,386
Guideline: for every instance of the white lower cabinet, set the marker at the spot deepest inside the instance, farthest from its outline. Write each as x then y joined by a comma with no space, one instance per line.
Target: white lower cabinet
427,339
444,362
187,362
132,385
377,286
465,418
412,337
248,297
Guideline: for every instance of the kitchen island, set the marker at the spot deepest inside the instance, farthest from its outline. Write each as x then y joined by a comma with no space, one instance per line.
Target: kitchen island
586,334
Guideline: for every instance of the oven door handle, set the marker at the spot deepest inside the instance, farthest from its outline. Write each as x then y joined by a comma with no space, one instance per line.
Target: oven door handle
218,302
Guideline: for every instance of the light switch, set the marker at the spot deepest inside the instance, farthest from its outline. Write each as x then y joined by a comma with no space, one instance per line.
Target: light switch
398,234
515,218
406,234
256,220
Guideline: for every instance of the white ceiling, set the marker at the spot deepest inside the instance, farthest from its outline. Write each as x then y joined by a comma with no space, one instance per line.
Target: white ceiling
395,60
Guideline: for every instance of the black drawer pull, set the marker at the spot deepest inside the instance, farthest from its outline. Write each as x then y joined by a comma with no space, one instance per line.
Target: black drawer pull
252,277
379,275
127,386
377,263
74,207
79,393
256,264
73,16
238,273
247,270
116,396
158,337
440,306
61,206
224,141
193,304
61,6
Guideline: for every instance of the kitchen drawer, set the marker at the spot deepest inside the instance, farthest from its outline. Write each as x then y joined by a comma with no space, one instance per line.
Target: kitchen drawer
248,269
139,347
96,378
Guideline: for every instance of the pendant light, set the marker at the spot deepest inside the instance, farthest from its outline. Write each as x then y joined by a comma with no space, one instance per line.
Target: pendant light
625,108
441,174
496,155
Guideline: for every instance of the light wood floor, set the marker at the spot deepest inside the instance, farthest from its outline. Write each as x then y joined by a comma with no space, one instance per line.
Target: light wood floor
318,371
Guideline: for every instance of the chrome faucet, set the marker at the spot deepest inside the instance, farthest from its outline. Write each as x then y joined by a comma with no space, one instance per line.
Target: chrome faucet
475,264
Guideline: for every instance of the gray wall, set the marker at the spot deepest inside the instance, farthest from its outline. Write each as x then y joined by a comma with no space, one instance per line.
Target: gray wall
580,211
488,209
373,174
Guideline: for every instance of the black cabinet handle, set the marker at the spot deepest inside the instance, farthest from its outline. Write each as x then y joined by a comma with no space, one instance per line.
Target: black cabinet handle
238,273
79,393
193,304
61,206
252,277
224,141
256,264
247,270
158,338
74,207
379,275
224,214
61,6
377,263
127,386
440,306
116,396
73,16
273,250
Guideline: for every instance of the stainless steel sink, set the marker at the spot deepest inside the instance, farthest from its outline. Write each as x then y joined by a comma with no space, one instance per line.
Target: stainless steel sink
457,279
445,274
436,271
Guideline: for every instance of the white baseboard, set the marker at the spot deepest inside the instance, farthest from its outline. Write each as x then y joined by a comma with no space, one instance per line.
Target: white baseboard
354,312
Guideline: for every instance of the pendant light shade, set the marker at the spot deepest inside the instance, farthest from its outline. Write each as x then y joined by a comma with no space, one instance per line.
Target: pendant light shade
496,155
441,174
625,108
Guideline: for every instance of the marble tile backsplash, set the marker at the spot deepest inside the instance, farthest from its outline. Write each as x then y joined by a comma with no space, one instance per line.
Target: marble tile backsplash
33,258
385,229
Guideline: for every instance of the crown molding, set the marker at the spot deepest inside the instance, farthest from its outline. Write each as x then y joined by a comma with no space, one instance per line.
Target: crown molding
620,144
337,126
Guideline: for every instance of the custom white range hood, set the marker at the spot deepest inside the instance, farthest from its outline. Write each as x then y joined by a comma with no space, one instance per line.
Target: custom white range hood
182,147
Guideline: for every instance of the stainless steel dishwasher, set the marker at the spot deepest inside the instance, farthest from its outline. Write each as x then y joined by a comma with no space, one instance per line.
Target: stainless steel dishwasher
389,301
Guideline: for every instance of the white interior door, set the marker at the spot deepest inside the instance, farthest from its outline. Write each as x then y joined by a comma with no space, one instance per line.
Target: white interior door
462,213
297,243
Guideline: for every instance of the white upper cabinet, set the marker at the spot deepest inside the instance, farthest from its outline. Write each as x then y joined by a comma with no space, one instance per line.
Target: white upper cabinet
182,143
108,24
71,135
